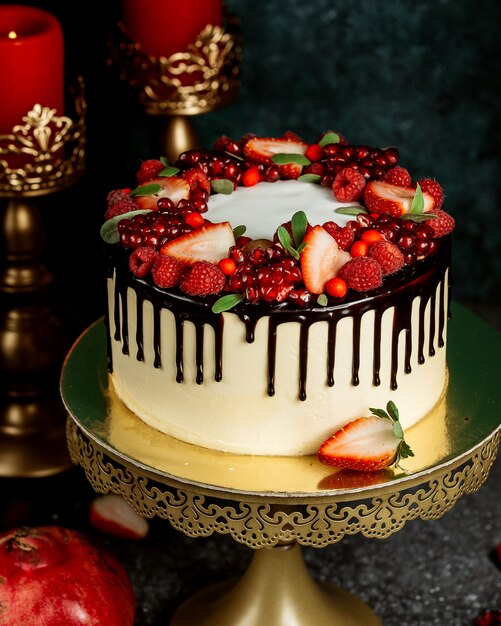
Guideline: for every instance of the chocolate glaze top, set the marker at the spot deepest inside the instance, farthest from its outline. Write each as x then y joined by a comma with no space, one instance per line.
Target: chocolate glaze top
398,290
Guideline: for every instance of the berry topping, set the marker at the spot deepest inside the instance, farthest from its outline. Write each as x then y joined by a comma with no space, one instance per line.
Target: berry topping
443,224
119,202
321,259
348,185
367,443
167,271
362,273
434,189
399,176
359,248
197,179
203,279
173,187
263,149
384,198
210,242
195,220
250,177
314,152
149,169
336,287
388,255
227,266
141,260
344,235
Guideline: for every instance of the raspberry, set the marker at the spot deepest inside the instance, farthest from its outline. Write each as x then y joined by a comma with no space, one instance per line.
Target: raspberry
203,279
343,235
361,273
166,271
316,168
141,260
197,179
398,176
491,618
443,224
388,255
348,185
149,169
434,189
119,202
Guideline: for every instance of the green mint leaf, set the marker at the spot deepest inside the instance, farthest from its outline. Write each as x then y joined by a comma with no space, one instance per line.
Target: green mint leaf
109,230
299,224
322,300
301,247
397,430
329,138
284,158
293,252
379,413
238,231
284,237
418,217
392,411
417,205
350,210
164,160
222,185
169,170
225,303
145,190
310,178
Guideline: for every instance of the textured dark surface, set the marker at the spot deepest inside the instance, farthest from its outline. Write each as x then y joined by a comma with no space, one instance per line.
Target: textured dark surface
423,76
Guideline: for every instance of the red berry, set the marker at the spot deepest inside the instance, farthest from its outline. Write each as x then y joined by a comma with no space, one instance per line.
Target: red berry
443,224
343,235
194,220
141,260
250,177
203,279
398,176
166,271
314,152
362,273
227,266
149,169
359,248
119,202
490,618
336,287
371,236
388,255
348,185
435,190
197,179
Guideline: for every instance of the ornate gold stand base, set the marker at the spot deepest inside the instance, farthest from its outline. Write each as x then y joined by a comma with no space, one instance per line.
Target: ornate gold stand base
276,589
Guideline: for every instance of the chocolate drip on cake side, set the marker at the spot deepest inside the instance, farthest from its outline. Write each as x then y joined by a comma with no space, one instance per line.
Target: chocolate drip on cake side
398,293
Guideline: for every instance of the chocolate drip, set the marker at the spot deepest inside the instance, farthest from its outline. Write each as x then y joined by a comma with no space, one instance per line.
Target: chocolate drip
398,292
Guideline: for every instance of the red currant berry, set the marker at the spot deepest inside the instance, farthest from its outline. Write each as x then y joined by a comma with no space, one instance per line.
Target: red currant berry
336,287
314,152
194,220
227,266
359,248
250,177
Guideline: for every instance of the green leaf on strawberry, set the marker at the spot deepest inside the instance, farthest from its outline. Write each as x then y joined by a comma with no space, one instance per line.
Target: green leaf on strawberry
417,204
225,303
109,230
145,190
329,138
284,158
169,170
403,450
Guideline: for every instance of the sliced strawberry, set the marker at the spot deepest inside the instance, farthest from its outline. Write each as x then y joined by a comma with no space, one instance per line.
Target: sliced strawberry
394,200
367,443
321,259
112,515
173,187
262,149
210,242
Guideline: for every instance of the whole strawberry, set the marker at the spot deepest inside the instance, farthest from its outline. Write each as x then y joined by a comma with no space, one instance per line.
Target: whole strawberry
362,273
388,255
203,279
167,271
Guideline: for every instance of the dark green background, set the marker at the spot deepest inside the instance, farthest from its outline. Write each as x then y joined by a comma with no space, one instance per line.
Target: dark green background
424,76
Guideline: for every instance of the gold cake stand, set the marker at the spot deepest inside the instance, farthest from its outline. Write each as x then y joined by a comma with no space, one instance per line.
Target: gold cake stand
275,505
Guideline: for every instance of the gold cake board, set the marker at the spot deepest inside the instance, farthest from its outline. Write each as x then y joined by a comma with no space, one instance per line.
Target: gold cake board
275,505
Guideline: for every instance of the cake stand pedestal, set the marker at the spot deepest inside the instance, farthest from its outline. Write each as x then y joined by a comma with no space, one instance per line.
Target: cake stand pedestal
275,505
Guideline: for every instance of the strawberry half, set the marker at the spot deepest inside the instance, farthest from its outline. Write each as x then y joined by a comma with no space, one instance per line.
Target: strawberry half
367,443
321,259
173,187
112,515
262,149
394,200
210,242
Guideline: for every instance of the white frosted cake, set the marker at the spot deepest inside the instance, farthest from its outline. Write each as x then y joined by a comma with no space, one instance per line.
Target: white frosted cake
265,342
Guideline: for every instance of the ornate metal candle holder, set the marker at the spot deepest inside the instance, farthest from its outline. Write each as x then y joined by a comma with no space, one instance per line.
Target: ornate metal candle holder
42,155
200,79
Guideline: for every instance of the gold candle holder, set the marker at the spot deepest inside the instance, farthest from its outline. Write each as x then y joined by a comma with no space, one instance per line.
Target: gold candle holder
42,155
200,79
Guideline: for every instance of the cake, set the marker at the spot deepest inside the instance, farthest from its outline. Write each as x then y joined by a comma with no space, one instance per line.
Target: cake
264,292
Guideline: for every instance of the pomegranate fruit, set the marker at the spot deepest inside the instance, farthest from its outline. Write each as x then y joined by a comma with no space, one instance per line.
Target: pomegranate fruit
55,576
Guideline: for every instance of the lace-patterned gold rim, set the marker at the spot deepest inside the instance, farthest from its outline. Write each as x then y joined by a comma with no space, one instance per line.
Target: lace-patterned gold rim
46,152
259,521
204,77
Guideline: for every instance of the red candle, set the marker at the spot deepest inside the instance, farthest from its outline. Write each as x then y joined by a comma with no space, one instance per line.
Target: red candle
31,63
163,27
